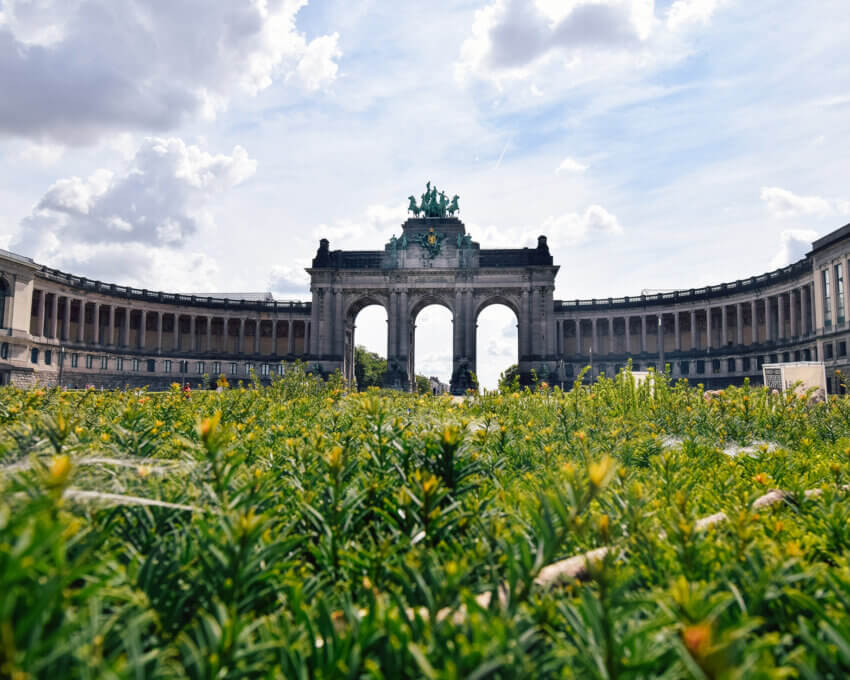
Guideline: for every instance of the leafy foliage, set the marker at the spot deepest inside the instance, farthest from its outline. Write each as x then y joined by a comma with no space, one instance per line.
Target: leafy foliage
301,531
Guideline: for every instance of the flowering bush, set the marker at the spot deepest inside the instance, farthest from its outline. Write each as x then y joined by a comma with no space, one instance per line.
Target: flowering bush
300,531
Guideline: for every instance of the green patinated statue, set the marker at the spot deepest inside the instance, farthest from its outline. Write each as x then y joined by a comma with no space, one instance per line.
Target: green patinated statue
434,203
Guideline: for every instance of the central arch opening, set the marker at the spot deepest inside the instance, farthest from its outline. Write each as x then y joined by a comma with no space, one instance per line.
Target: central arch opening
431,351
496,343
367,360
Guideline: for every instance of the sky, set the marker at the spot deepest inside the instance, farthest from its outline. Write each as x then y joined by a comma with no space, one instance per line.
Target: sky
185,146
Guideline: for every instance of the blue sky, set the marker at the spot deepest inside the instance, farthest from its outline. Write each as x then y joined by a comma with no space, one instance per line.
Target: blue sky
189,146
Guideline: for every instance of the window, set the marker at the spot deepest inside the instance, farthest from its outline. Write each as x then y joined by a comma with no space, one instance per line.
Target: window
684,367
786,356
808,354
570,370
264,370
4,350
183,366
48,357
248,368
34,356
827,351
151,365
774,358
635,366
842,349
200,367
104,362
715,365
75,360
759,363
119,363
700,366
827,300
233,368
281,369
216,368
89,361
745,364
166,366
839,293
730,365
135,364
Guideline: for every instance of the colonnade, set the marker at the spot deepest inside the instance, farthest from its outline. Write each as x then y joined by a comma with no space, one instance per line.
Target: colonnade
106,325
773,318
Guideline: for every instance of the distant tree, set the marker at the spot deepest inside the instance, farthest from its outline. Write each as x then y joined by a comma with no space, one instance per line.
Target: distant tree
423,385
369,368
509,380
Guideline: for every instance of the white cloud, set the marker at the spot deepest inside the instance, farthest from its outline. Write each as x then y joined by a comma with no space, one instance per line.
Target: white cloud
784,203
573,228
508,36
570,165
684,13
76,70
125,225
377,224
289,280
41,154
793,245
317,66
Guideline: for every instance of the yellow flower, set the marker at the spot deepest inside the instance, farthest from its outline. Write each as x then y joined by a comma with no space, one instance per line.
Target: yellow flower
58,471
430,484
793,549
600,471
143,470
761,478
104,437
580,435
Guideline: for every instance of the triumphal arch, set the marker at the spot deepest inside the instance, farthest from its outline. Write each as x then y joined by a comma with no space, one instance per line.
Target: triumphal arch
433,261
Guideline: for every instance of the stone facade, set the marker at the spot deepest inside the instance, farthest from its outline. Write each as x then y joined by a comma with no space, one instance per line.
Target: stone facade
57,327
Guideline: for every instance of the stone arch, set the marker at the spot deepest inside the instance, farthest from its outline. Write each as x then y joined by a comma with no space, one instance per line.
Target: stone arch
352,306
487,300
417,305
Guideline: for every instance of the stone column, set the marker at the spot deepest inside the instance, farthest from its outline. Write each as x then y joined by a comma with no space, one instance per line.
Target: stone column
66,324
160,317
54,320
628,322
708,328
404,326
143,327
81,324
110,339
694,331
127,312
724,326
768,320
611,334
241,348
754,322
780,302
594,335
677,331
96,323
579,348
804,311
274,336
739,324
792,295
42,313
522,335
643,333
209,333
470,327
290,338
257,325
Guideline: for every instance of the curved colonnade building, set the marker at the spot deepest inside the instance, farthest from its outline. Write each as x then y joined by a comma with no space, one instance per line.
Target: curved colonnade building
57,327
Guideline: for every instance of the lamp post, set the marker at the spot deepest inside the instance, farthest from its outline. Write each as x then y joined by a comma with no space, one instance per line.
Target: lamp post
61,363
661,342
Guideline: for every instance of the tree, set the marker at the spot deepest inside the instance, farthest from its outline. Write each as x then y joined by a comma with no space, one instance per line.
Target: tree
369,368
509,380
